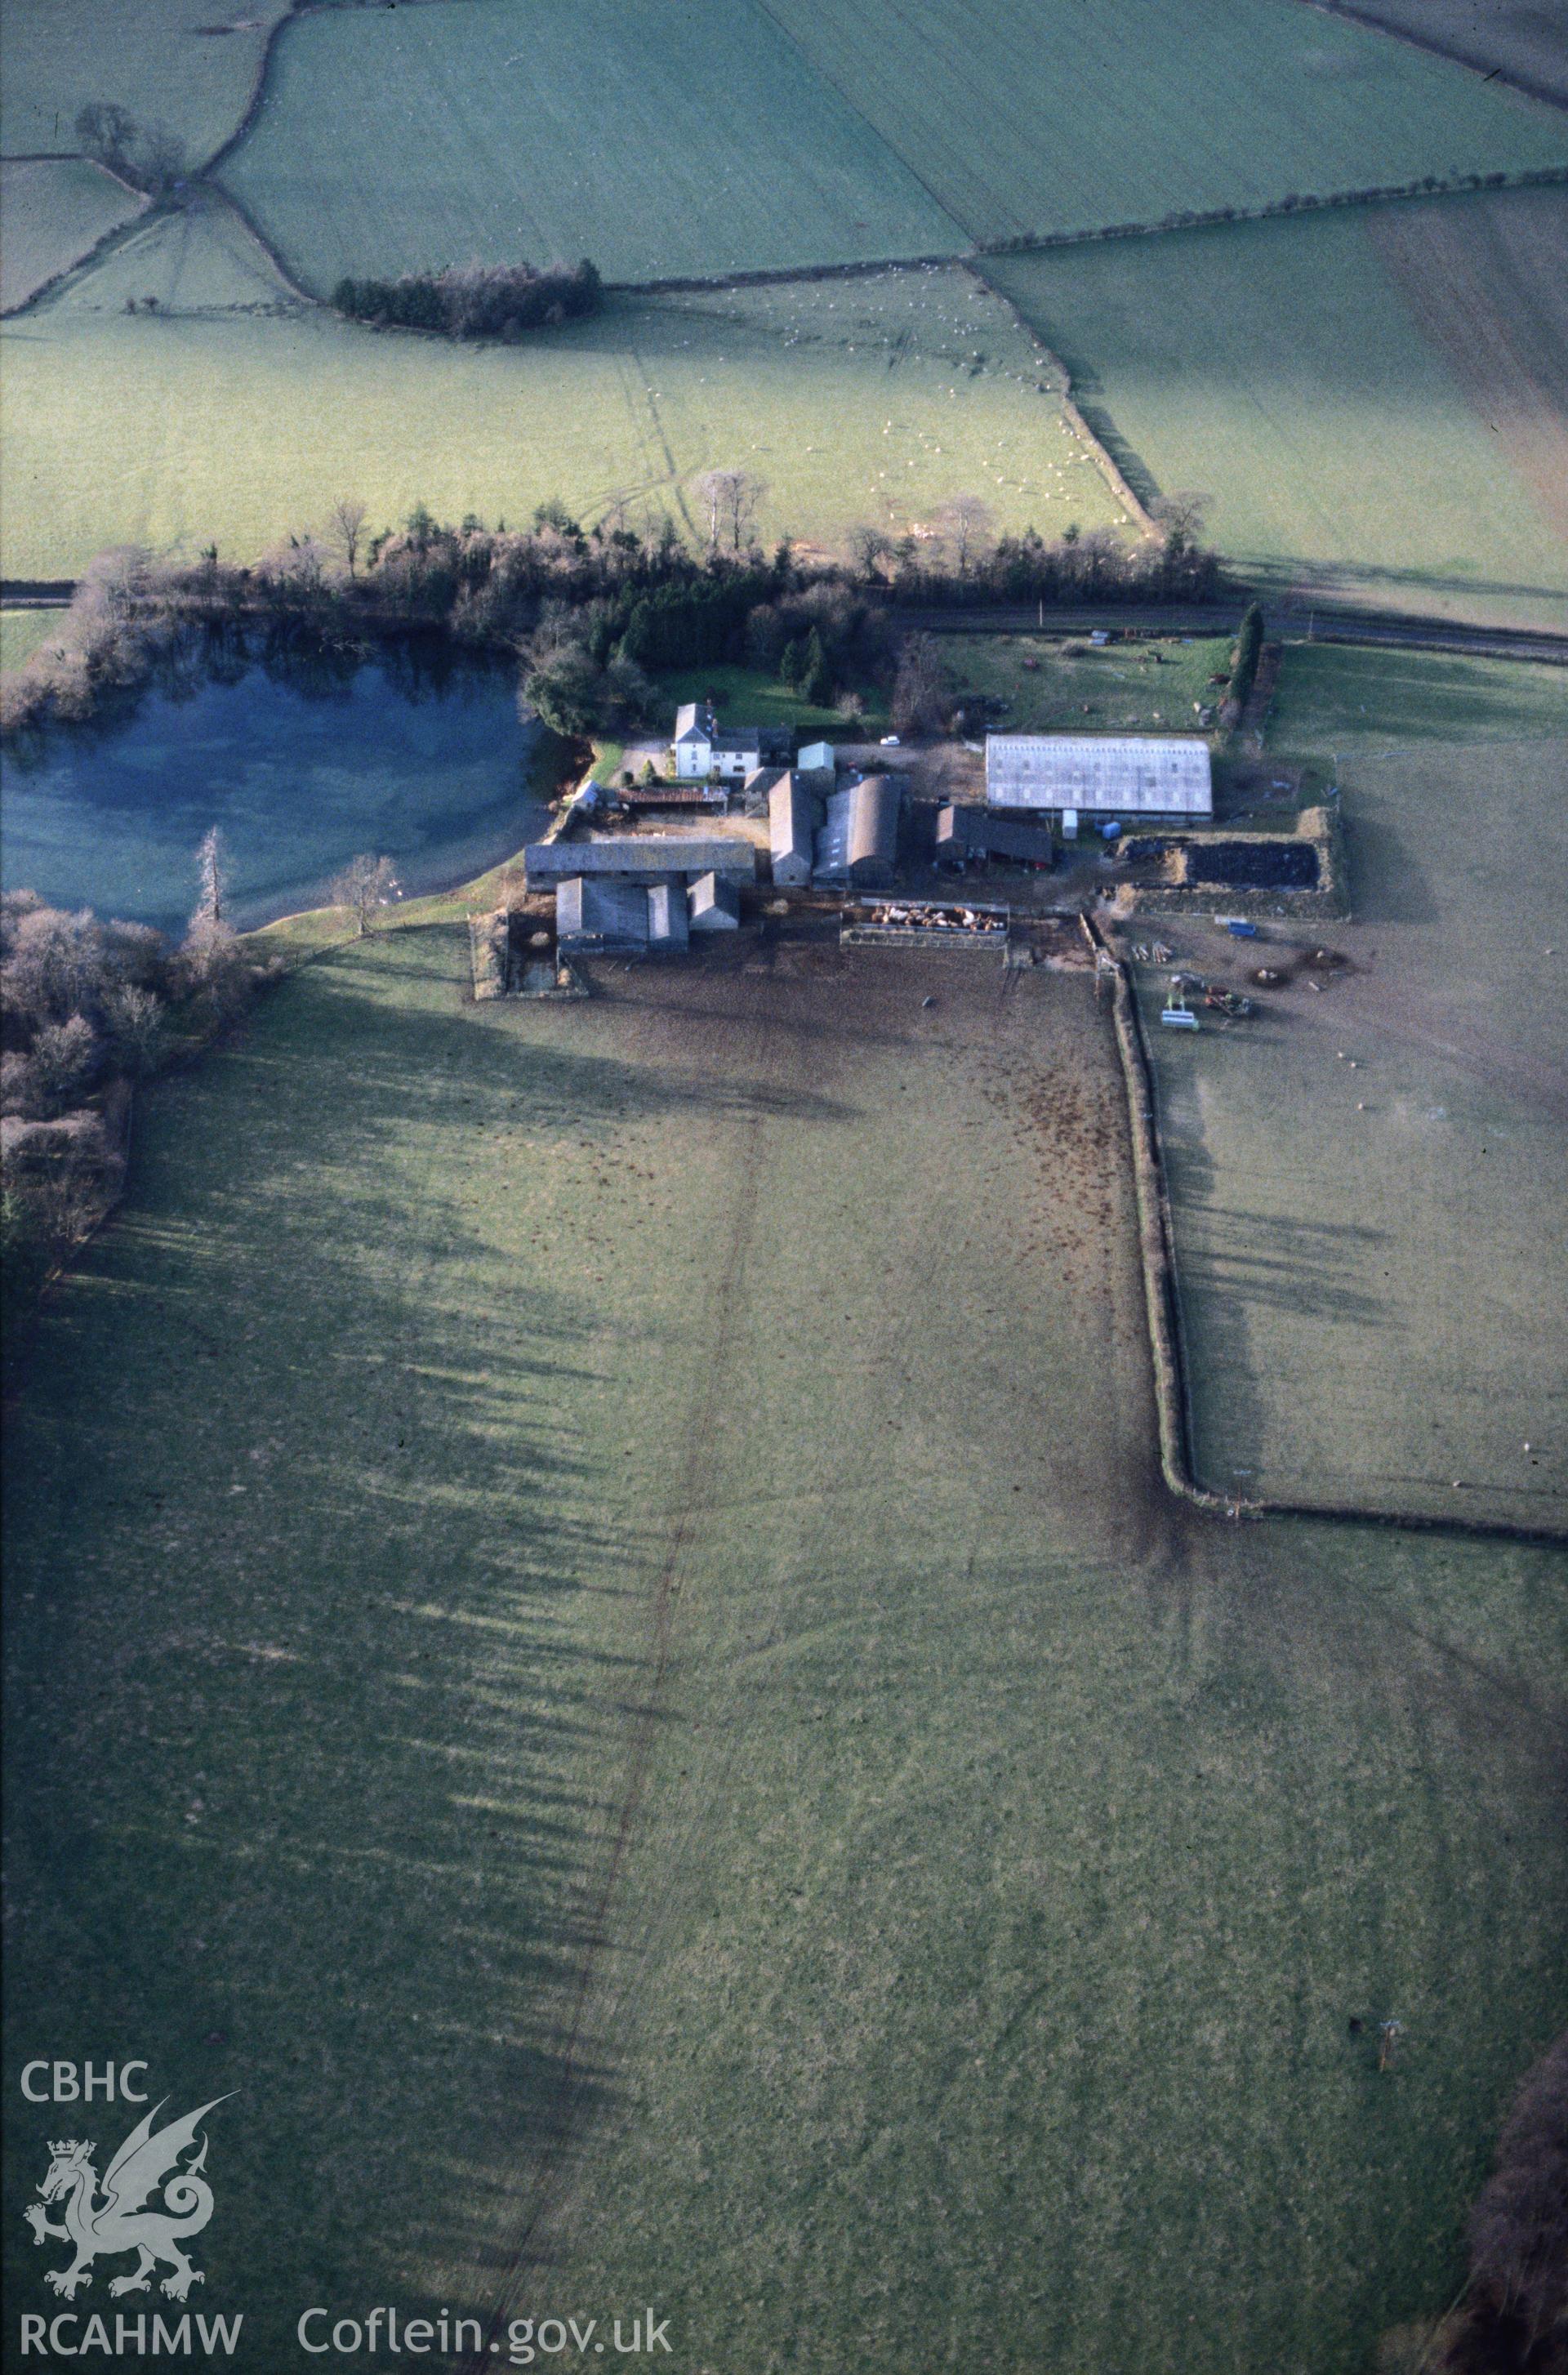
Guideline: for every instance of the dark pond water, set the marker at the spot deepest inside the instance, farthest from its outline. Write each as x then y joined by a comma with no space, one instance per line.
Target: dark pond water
299,769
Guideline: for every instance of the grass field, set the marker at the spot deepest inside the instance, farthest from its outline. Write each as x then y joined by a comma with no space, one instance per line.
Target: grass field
52,211
875,399
1034,117
203,260
1332,697
599,1567
745,694
187,64
661,141
1286,369
21,632
1072,688
1524,37
1368,1258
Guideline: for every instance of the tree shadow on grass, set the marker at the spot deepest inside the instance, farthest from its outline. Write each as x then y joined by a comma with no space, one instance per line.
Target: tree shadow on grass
329,1645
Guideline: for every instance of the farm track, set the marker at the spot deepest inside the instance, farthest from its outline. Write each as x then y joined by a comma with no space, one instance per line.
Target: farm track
1287,622
1296,622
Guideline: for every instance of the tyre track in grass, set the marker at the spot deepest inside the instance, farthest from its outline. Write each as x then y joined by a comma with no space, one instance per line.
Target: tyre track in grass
691,1503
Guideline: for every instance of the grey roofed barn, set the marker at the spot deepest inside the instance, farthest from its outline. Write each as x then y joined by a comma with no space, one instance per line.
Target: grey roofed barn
791,816
859,841
668,927
594,916
647,855
714,904
1132,775
965,833
873,809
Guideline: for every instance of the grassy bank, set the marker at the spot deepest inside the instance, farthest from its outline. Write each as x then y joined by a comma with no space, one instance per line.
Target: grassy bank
699,1440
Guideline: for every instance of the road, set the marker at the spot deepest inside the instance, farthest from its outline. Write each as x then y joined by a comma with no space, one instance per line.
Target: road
1282,622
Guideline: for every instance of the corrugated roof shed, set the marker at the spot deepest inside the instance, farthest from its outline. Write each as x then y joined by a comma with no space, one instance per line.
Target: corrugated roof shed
648,854
859,841
1133,774
873,809
791,814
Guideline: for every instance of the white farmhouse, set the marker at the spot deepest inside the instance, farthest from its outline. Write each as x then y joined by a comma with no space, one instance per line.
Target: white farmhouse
700,750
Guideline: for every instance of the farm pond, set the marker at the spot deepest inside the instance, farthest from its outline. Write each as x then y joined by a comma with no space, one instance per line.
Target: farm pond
422,760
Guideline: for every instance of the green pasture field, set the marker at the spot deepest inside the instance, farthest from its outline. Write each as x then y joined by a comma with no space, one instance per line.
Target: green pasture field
202,260
1522,39
1368,1258
594,1629
1031,118
868,399
190,65
52,211
1276,367
1072,687
1338,697
662,142
754,698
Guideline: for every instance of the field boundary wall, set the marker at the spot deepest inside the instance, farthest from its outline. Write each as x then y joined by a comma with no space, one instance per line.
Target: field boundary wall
1061,379
1156,1237
258,88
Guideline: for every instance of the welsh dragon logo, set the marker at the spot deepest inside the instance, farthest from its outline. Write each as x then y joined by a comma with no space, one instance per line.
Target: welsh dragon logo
122,2221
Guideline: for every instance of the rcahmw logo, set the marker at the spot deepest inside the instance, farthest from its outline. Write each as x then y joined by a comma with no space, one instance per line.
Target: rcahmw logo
152,2200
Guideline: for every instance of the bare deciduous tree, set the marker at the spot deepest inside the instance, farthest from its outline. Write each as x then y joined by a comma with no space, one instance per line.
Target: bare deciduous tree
108,133
868,547
1180,516
212,876
134,1017
919,687
730,499
150,157
296,569
965,523
365,885
159,161
64,1054
346,524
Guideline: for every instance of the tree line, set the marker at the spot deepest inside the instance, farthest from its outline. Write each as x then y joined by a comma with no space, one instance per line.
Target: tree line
590,611
87,1009
474,300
